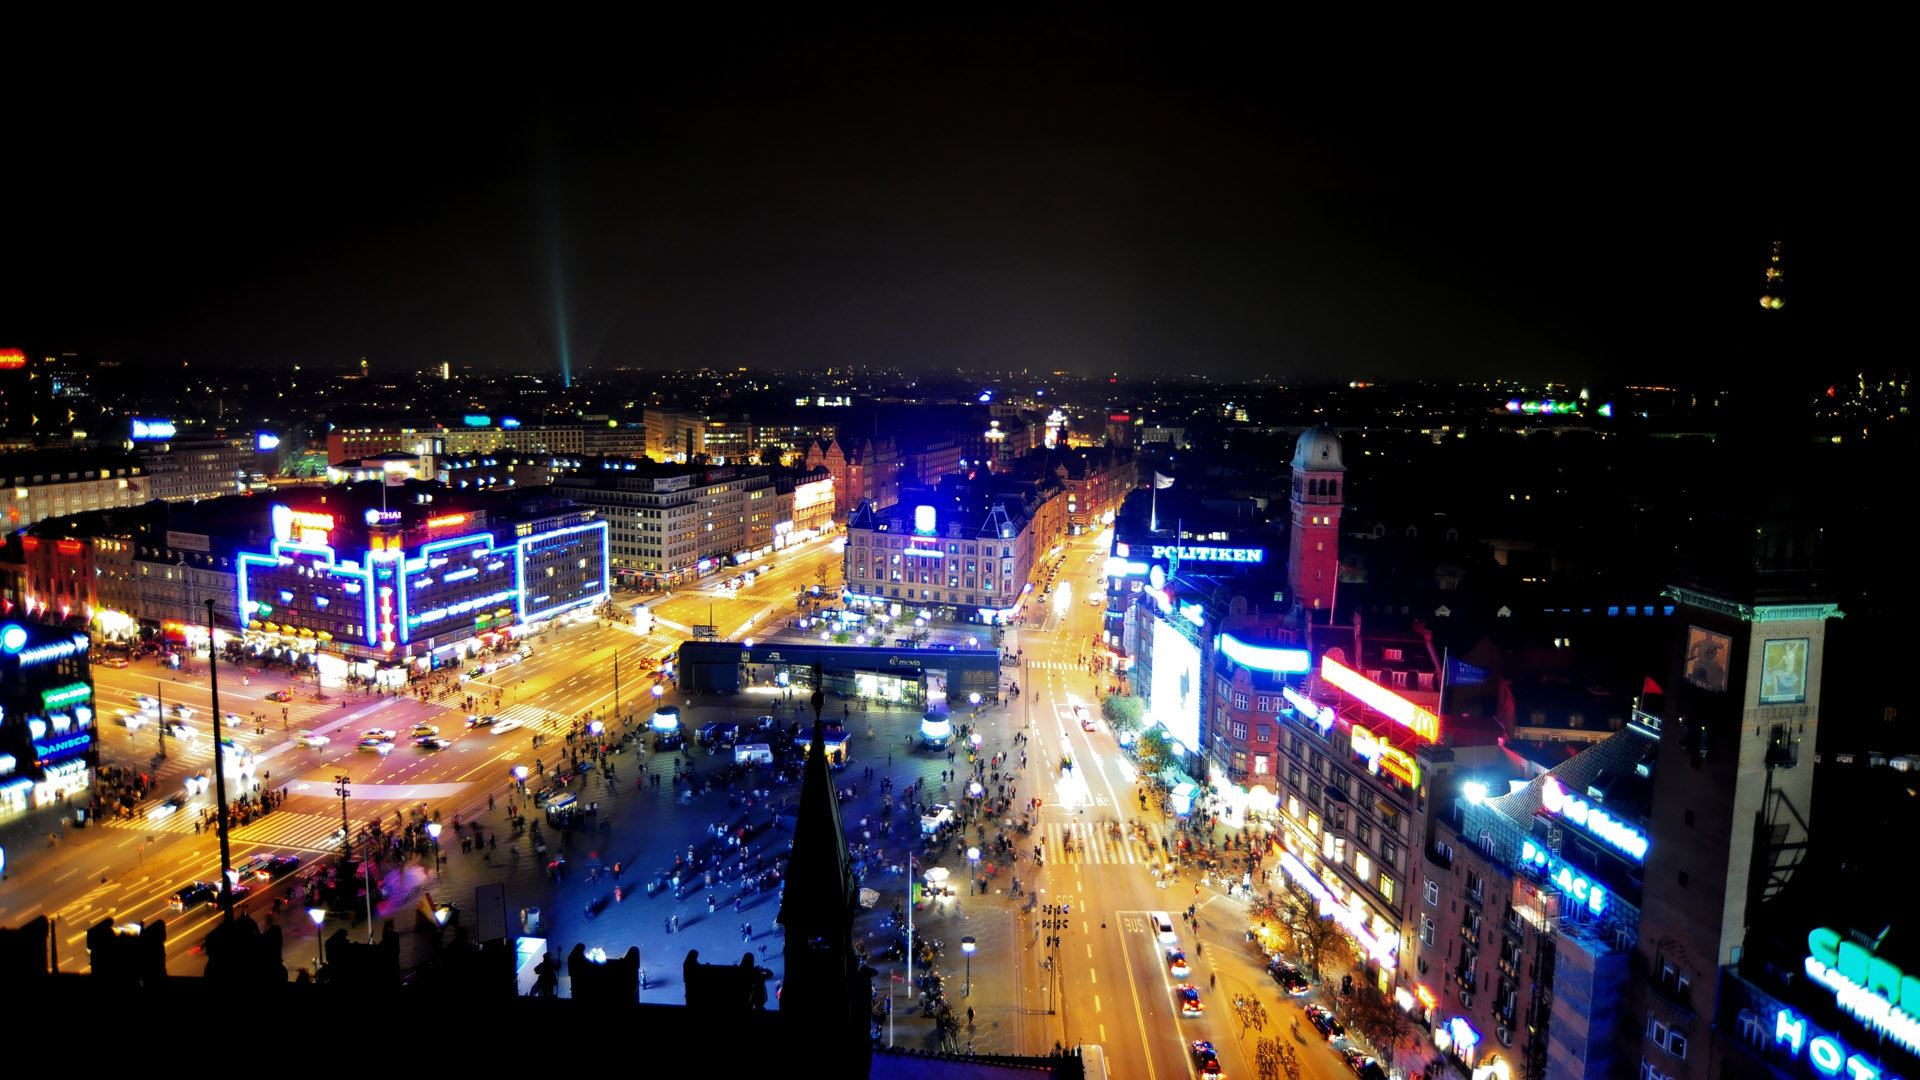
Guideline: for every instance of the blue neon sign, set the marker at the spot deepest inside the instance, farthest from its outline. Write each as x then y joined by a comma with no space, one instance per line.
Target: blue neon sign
1622,836
1828,1054
68,747
1265,658
1586,892
144,430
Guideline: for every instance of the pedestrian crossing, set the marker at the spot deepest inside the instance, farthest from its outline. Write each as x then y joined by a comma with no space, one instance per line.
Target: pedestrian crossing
1092,843
1055,665
281,828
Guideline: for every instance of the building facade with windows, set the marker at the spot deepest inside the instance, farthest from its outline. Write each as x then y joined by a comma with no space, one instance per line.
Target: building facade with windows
965,562
48,740
56,483
672,523
184,469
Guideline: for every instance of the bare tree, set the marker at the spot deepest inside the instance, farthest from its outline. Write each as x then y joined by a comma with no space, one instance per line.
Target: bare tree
1317,940
1385,1026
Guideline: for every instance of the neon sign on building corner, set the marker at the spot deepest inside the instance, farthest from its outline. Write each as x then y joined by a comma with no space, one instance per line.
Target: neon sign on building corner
1561,803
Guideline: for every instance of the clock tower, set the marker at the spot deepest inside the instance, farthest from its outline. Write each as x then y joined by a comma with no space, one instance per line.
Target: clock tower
1313,550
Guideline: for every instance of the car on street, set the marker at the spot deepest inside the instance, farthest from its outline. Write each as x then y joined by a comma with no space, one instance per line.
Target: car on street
1364,1065
1095,600
311,739
1188,996
1081,714
479,721
131,721
1323,1022
199,892
1163,927
431,742
1289,978
383,734
277,867
282,695
182,732
198,783
375,746
147,704
1177,964
248,867
504,726
421,731
233,719
937,815
1206,1061
114,662
167,809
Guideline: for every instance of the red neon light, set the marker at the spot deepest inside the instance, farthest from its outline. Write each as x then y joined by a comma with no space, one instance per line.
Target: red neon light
450,519
68,547
10,359
1381,700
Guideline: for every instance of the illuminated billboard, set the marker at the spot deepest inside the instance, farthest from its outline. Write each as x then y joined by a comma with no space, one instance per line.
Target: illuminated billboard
264,441
1381,700
12,359
812,493
1265,658
1174,697
147,430
1707,654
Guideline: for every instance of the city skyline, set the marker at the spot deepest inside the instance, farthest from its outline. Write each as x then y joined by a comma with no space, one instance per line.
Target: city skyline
1087,196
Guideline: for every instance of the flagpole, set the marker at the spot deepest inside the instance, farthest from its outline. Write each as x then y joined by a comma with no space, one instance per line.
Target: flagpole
1444,665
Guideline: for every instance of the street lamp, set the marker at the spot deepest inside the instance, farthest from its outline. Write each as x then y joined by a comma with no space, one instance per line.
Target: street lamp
974,699
318,915
657,692
433,832
973,864
967,946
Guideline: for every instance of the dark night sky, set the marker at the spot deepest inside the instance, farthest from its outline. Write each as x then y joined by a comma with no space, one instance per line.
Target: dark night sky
1141,197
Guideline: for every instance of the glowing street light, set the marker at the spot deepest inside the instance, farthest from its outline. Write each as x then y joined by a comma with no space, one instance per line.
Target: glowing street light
973,864
433,831
973,698
318,915
967,945
657,691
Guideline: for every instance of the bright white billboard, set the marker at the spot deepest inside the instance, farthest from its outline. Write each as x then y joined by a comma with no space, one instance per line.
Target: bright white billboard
1177,690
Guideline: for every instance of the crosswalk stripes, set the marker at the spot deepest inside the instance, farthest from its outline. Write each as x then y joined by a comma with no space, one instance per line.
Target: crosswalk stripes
1055,665
1091,844
281,828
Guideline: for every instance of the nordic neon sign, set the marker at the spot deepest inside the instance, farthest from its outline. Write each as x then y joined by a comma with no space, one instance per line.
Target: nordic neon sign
1560,803
1587,893
1874,991
1828,1054
1265,658
1381,700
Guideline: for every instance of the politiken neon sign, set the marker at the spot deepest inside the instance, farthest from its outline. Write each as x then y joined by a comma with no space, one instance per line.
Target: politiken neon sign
1209,554
1595,820
1875,991
1381,700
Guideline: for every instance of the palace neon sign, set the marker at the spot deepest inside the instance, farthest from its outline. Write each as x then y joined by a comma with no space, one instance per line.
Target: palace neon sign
1574,885
1873,990
1265,658
1561,803
1379,755
1828,1054
1381,700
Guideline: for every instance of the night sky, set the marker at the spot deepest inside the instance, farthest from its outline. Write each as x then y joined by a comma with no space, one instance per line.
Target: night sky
1138,197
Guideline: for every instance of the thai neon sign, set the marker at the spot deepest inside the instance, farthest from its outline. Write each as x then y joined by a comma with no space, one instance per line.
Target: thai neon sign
1321,715
1381,700
1265,658
1398,763
1585,892
1874,991
1209,554
1595,820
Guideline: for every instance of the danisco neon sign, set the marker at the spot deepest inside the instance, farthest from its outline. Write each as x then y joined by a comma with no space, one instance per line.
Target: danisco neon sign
1595,820
1875,991
1381,700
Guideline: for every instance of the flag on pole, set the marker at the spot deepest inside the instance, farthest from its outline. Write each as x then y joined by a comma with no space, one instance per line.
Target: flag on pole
1161,483
1461,673
1651,687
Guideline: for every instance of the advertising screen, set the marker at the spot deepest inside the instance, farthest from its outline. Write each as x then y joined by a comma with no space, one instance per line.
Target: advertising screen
1707,656
1174,696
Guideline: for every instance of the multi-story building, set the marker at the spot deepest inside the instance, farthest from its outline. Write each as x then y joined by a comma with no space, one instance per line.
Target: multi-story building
476,435
48,744
812,502
1096,482
958,553
56,483
606,437
387,583
672,522
924,460
182,469
81,570
1313,546
864,470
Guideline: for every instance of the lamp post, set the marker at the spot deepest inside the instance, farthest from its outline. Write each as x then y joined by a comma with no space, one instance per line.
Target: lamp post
318,915
343,787
967,945
433,831
973,865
